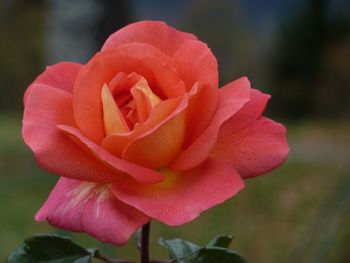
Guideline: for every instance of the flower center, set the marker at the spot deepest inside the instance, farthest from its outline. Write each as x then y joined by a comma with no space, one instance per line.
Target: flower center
126,101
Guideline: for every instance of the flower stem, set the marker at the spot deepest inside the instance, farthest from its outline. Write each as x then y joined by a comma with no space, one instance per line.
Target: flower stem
145,243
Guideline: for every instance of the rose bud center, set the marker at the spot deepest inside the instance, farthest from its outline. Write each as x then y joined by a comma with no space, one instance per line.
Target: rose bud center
126,101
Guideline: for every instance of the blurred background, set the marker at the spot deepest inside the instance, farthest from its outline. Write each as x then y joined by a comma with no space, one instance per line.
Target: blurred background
296,50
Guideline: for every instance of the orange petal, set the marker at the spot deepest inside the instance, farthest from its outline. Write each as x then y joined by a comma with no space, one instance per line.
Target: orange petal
112,117
158,148
119,166
104,66
201,108
144,99
155,33
232,97
116,143
195,62
120,87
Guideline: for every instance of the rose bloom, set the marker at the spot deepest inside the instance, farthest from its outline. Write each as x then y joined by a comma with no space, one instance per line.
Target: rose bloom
142,131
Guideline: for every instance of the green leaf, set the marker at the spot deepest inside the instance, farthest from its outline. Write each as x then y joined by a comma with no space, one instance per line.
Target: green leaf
214,254
50,249
221,241
179,248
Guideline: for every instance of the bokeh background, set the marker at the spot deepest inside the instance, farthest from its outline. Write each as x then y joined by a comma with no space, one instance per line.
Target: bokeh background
296,50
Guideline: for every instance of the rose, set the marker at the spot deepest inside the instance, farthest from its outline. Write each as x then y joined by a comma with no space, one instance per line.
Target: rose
142,132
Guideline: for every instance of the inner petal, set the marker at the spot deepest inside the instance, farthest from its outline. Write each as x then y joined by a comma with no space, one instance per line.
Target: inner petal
144,98
120,87
112,117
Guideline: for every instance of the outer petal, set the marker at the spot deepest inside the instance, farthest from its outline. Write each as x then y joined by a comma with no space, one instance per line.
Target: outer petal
89,207
45,108
247,114
254,150
143,59
231,98
60,76
116,164
184,195
155,33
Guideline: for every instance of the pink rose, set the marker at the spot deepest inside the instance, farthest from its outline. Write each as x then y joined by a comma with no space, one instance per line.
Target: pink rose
142,132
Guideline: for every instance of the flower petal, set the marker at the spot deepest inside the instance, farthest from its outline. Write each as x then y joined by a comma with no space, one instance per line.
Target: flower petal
196,63
231,98
116,164
90,207
47,107
198,66
161,113
160,147
143,59
113,119
144,99
120,87
201,108
155,33
255,149
251,111
60,76
183,195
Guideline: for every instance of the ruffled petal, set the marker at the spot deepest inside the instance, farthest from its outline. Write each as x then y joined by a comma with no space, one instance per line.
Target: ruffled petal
251,111
91,208
60,76
183,195
120,166
161,113
144,59
255,149
46,108
159,147
144,98
232,97
155,33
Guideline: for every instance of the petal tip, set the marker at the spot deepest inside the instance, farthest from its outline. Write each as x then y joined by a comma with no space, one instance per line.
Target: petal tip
40,216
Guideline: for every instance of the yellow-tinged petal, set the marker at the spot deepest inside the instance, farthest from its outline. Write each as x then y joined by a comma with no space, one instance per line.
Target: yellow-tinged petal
144,99
159,148
116,143
112,117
